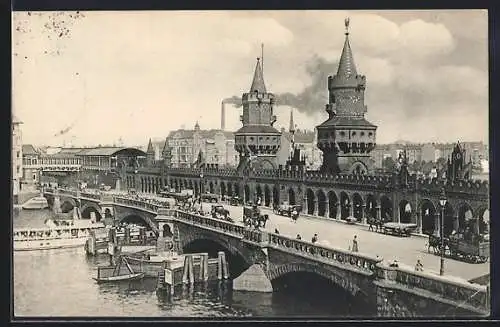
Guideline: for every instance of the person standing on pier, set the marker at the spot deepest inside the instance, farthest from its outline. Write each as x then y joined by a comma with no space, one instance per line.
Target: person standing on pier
355,244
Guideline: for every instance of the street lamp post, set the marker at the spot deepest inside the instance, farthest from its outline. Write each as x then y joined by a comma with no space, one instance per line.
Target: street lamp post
442,202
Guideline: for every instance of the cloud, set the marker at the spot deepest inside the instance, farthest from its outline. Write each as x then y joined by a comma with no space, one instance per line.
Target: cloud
142,74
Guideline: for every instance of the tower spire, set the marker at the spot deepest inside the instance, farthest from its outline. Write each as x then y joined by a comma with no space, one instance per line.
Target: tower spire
258,79
347,67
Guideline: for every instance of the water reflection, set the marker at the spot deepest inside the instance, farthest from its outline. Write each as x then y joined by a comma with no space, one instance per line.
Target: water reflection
60,283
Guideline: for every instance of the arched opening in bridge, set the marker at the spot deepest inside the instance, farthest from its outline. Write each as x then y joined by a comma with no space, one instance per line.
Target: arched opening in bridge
465,215
345,205
67,206
86,213
223,189
267,196
428,214
196,189
135,220
258,193
310,201
247,194
176,186
371,207
236,190
385,208
312,294
321,203
167,231
190,184
291,196
357,203
405,212
236,263
229,189
211,188
332,204
276,196
448,219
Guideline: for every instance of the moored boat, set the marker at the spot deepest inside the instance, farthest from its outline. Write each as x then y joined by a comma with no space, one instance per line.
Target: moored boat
57,234
36,203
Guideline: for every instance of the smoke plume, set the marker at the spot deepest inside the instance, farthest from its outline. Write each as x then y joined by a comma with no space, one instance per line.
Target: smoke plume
234,100
314,96
310,99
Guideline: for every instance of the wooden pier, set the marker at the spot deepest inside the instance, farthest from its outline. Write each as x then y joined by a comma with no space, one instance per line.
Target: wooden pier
191,269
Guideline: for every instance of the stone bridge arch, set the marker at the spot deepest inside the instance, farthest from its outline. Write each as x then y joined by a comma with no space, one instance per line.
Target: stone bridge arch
123,214
239,256
338,279
67,204
89,207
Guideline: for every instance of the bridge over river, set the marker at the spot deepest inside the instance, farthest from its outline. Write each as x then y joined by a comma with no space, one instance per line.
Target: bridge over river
364,276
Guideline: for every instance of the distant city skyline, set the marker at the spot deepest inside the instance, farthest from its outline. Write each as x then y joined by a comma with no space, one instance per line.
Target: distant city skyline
77,78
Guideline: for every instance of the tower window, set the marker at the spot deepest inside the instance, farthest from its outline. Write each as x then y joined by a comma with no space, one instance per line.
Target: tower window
370,134
362,133
342,133
353,134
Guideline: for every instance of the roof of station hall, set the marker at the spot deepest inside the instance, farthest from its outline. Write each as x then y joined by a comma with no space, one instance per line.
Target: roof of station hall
109,151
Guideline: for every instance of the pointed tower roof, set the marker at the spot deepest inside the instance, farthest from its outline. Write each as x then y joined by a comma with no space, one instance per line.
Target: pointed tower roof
258,79
150,147
347,67
291,128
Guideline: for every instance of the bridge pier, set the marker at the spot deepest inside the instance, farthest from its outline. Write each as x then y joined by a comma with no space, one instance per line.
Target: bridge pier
254,279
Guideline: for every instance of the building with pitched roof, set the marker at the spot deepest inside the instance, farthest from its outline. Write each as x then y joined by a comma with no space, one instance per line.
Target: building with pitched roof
217,146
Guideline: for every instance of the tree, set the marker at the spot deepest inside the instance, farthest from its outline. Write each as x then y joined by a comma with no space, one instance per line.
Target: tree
389,164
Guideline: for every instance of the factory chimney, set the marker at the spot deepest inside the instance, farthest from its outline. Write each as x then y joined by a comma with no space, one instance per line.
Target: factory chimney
223,116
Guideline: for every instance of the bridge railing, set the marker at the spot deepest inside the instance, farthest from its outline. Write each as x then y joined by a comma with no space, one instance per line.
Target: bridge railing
447,287
137,203
218,224
354,259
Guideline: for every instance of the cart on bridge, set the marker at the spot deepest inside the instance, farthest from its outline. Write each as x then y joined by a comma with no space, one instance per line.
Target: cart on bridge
399,229
475,249
253,217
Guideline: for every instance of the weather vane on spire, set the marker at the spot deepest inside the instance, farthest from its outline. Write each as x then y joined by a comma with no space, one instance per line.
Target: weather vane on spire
346,22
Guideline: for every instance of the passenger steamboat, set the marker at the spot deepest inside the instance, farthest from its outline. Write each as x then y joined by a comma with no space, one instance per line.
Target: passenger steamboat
58,234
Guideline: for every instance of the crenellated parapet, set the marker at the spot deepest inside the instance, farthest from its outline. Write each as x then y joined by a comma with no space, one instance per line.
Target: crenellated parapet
467,188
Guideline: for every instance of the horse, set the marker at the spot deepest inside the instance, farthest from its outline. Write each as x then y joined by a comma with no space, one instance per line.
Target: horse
434,243
262,219
378,223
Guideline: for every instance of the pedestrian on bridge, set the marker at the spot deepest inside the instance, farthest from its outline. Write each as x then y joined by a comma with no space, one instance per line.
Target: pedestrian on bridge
419,266
314,238
276,231
298,237
355,244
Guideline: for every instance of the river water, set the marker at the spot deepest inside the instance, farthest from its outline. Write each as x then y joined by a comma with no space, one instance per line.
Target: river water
58,283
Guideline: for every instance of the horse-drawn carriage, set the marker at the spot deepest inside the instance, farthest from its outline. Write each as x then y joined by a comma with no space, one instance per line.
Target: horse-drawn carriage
210,197
253,217
392,228
475,249
288,210
235,201
218,211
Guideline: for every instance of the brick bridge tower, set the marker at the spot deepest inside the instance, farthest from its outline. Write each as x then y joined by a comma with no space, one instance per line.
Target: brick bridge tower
257,142
346,138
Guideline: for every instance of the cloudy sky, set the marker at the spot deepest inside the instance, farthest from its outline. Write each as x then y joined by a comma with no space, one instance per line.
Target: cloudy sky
95,77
